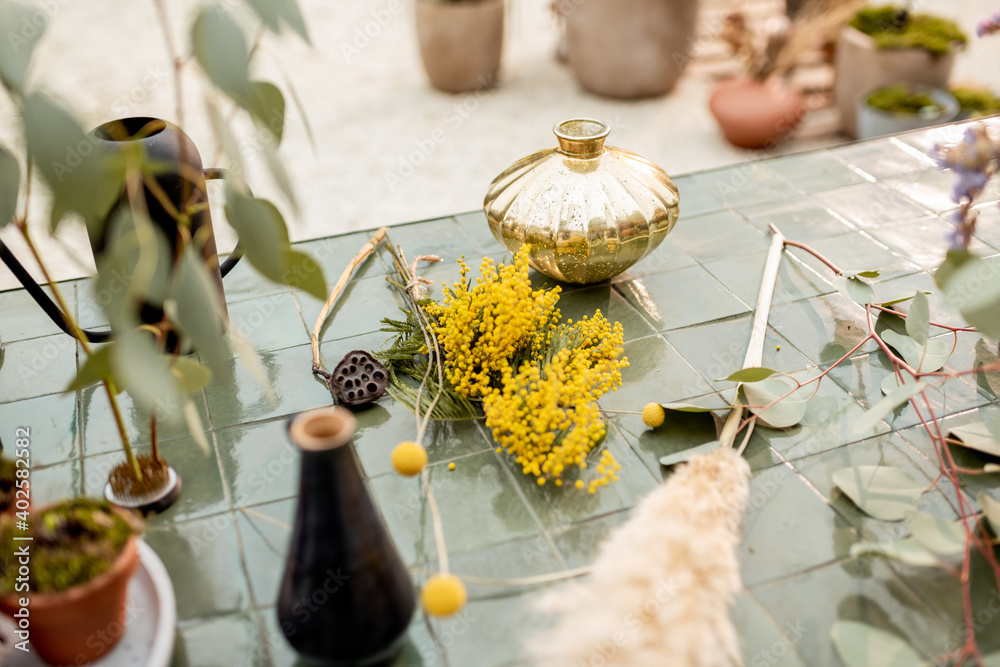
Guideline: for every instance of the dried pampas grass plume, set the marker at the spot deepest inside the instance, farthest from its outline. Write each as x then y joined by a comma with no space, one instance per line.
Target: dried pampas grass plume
663,583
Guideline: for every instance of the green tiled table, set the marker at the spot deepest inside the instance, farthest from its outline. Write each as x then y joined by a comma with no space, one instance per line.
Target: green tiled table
686,312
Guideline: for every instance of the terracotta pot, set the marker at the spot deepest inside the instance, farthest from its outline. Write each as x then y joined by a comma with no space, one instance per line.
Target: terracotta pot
862,66
756,114
80,625
460,42
628,48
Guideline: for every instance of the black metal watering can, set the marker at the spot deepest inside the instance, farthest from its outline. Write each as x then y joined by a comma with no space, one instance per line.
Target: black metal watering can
185,189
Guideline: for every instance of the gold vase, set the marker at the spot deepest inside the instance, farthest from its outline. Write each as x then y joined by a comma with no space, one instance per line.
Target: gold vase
588,210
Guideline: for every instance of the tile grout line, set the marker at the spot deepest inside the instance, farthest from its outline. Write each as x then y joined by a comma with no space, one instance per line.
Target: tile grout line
543,531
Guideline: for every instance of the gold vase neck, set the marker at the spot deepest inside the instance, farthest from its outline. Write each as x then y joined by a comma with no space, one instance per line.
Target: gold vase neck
581,137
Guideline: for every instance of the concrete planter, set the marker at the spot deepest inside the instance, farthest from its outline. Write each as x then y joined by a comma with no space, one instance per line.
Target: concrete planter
629,48
460,42
861,66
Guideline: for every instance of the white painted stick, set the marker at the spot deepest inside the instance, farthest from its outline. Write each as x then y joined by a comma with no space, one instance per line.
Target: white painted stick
755,350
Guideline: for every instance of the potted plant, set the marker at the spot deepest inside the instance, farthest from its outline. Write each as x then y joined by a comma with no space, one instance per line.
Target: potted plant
886,45
760,107
975,102
628,48
138,184
901,107
461,42
81,553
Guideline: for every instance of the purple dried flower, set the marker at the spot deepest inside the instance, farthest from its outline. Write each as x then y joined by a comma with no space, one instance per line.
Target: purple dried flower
988,26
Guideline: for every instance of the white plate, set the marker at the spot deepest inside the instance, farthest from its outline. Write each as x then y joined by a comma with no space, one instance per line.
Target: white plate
150,621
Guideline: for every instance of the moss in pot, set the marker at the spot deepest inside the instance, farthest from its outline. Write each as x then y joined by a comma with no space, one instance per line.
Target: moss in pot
79,561
902,107
902,99
885,45
894,28
975,102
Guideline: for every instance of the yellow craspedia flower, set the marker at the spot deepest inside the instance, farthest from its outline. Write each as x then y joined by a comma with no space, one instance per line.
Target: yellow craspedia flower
409,458
653,415
443,595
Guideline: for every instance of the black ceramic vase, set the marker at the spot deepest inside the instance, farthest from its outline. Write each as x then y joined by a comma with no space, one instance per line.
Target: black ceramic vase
346,597
181,180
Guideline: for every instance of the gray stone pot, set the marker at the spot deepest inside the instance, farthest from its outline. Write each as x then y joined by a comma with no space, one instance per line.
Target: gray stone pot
460,42
628,48
878,123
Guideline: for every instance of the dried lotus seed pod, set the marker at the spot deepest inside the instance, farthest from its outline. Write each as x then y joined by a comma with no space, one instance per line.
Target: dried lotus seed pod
359,378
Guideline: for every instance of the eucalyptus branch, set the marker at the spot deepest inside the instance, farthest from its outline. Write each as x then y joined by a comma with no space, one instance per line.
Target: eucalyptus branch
74,327
809,249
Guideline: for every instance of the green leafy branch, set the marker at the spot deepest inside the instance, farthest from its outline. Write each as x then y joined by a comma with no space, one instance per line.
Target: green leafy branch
161,273
777,400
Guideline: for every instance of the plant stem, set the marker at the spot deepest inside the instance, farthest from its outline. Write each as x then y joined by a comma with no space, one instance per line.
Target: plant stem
178,65
933,324
812,251
153,442
108,383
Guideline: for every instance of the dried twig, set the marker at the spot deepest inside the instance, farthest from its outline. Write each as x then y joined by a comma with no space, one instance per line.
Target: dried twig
345,277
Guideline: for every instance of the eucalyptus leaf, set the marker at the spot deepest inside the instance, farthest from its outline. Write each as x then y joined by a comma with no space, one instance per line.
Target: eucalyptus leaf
267,107
902,299
21,26
918,319
867,274
280,175
262,231
940,536
977,436
305,274
191,375
94,370
220,47
790,407
688,454
885,493
224,135
953,261
197,307
905,551
687,407
81,177
895,398
274,13
861,645
854,289
927,358
143,370
991,508
197,430
891,383
974,289
749,375
10,184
